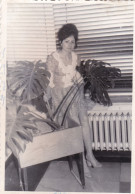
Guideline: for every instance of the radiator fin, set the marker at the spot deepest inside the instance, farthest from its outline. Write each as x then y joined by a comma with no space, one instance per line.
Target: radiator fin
111,131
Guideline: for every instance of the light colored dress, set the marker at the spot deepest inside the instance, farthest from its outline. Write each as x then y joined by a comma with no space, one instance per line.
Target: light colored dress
62,79
62,75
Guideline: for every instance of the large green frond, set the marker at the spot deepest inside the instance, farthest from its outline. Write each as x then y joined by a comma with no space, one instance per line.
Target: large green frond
98,76
28,80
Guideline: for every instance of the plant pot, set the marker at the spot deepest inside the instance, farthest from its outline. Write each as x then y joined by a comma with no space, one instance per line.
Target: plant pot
52,146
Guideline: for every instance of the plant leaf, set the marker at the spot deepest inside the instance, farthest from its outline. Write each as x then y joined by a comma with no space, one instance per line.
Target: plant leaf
18,130
25,134
28,80
98,77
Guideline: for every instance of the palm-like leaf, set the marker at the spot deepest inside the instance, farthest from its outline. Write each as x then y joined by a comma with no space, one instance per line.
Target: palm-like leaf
98,77
37,116
22,126
28,80
18,130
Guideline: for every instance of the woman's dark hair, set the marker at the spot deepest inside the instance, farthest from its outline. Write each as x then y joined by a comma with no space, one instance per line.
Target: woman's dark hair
66,31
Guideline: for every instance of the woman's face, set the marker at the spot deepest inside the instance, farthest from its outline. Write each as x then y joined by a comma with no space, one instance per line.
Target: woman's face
68,44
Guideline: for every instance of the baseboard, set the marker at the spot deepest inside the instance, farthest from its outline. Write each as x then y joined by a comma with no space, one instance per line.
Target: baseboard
113,156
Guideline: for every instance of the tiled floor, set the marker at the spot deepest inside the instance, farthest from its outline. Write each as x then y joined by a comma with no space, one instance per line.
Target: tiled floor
112,177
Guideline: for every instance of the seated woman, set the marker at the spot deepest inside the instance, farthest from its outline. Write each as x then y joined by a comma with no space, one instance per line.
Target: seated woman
62,66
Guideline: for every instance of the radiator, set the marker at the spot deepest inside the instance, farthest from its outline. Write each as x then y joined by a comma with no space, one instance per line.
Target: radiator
111,128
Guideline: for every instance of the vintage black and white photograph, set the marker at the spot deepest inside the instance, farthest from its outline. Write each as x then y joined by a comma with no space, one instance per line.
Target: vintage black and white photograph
69,97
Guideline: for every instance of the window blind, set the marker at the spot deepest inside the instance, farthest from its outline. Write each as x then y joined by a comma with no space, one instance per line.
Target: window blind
105,31
30,31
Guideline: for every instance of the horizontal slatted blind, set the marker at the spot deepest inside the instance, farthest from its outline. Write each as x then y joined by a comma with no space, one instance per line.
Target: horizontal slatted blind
30,31
105,31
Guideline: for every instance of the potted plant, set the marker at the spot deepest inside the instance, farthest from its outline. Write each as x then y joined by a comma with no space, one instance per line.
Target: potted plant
27,121
25,82
29,117
28,81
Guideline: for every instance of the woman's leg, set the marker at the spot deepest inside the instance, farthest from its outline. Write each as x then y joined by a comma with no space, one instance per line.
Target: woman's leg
87,172
87,136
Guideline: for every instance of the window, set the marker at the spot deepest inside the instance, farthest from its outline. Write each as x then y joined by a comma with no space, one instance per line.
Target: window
105,33
30,31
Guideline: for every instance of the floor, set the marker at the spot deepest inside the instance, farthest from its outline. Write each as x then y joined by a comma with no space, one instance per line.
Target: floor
113,177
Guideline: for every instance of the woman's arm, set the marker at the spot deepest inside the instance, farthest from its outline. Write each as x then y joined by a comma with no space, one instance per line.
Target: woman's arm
78,75
78,60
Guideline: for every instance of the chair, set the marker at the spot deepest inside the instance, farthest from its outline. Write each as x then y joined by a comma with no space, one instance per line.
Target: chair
51,146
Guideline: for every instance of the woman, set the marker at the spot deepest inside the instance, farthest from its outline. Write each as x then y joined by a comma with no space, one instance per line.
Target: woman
62,66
